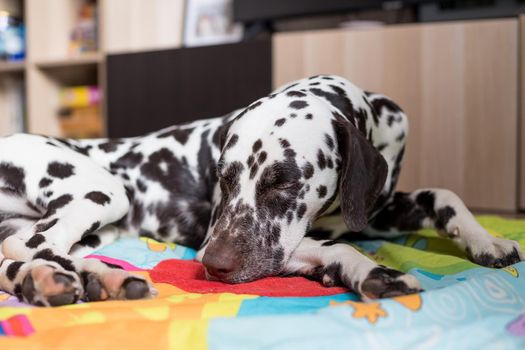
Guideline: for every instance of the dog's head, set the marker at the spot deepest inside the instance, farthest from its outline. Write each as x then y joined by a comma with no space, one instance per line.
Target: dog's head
279,169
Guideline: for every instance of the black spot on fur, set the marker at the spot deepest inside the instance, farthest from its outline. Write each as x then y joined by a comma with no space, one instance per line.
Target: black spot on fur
129,160
250,161
233,140
308,116
380,103
56,204
284,143
329,141
289,217
110,146
35,241
60,170
321,160
280,122
83,150
95,226
257,146
426,200
319,234
42,227
308,170
141,186
295,94
321,191
299,104
340,101
262,157
289,153
92,241
180,134
12,270
98,197
443,216
253,171
254,105
13,178
301,210
44,182
47,254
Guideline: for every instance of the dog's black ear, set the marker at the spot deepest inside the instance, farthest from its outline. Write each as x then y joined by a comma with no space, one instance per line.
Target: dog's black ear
362,177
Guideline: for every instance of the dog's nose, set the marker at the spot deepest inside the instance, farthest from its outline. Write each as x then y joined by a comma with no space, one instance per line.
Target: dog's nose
219,265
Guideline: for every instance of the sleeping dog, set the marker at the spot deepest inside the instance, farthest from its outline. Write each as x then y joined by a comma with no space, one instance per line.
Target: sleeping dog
267,190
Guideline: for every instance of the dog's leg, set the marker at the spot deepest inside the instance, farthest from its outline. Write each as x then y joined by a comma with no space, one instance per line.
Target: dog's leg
45,250
96,240
39,282
336,263
443,210
68,197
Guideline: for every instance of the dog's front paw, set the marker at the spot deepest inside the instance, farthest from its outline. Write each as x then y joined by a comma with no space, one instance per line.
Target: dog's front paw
497,253
383,282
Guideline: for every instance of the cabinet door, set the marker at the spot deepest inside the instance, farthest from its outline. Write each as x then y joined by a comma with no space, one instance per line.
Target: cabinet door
151,90
456,81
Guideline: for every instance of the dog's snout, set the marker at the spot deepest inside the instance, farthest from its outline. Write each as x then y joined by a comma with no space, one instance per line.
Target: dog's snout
219,265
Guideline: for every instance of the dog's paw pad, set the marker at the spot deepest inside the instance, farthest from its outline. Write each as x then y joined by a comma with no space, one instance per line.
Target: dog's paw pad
383,282
135,288
46,285
94,291
121,285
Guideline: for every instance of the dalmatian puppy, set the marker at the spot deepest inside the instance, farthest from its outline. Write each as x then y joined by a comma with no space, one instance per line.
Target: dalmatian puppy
267,190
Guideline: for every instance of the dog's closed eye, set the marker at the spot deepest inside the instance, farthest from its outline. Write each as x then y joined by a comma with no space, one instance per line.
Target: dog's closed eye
275,178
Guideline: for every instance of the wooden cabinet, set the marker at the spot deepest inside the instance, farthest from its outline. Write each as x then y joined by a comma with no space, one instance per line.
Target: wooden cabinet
457,82
521,150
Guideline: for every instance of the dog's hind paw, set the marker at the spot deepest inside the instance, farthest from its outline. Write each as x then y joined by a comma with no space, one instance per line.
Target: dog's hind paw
48,284
112,283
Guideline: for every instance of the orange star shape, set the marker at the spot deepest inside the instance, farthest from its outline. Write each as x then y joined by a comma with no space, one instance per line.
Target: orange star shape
370,311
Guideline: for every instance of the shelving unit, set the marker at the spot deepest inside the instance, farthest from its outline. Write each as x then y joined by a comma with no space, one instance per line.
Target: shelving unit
123,26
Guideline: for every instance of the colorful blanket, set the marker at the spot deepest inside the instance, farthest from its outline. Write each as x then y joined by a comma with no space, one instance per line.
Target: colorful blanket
464,306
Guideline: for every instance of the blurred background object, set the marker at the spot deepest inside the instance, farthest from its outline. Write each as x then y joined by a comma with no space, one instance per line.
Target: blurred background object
84,33
119,68
209,22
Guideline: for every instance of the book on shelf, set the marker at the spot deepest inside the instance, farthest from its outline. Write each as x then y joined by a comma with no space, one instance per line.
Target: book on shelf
11,105
80,112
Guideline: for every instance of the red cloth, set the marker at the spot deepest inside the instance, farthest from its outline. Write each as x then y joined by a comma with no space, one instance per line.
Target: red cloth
189,276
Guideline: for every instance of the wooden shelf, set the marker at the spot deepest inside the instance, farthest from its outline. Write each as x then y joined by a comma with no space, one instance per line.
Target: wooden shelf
17,66
123,26
84,59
